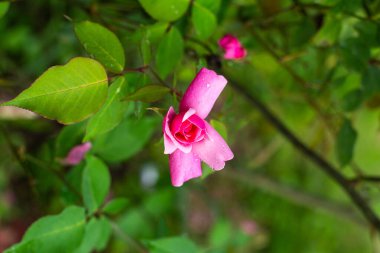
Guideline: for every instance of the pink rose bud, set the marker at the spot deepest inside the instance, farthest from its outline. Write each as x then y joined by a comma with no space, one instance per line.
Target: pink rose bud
233,49
77,154
188,138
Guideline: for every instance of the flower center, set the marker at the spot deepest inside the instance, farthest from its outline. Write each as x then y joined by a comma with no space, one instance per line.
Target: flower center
188,131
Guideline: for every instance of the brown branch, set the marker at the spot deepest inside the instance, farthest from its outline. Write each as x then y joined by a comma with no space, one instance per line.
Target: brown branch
141,69
157,76
362,178
321,163
304,85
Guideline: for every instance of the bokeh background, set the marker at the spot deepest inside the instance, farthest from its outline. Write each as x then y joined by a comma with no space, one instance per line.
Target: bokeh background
313,63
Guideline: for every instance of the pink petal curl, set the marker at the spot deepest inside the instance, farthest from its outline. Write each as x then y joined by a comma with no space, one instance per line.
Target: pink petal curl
77,154
171,144
213,150
203,92
184,167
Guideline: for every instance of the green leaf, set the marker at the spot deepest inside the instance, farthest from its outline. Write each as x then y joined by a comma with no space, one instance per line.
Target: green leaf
370,81
169,52
102,44
74,179
150,38
134,223
97,234
355,53
345,143
347,6
352,100
159,203
202,63
206,171
149,93
110,115
55,233
4,6
220,128
329,32
212,5
115,206
68,93
204,21
96,181
301,35
369,32
146,48
125,140
68,137
165,10
154,32
173,245
221,234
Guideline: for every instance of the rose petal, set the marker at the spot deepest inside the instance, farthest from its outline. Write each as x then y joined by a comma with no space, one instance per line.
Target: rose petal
170,147
203,92
195,120
235,53
184,167
188,114
77,154
169,139
229,41
213,150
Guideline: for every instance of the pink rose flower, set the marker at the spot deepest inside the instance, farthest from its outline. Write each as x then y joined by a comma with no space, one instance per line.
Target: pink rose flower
77,154
233,49
188,138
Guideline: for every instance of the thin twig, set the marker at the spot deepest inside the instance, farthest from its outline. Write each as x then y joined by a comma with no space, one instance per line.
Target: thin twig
321,163
362,178
138,69
200,43
126,238
157,76
141,69
295,196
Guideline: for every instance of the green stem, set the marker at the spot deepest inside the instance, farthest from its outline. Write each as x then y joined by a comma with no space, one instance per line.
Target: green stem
126,238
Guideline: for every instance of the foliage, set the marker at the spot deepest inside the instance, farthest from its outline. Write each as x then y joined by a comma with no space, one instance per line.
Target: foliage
106,72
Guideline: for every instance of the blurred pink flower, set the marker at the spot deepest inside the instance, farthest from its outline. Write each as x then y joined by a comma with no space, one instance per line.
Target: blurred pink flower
249,227
233,49
77,154
188,138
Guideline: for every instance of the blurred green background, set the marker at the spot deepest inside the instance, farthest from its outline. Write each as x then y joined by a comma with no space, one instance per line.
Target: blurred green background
314,63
